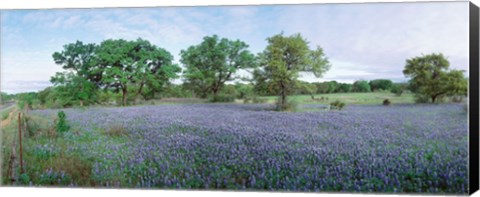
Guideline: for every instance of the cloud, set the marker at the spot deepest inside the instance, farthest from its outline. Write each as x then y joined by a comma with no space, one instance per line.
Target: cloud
382,35
13,87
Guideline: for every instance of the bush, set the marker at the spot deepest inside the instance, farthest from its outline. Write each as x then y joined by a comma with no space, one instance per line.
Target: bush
290,105
223,98
254,99
337,105
259,100
61,126
24,179
5,115
386,102
457,98
422,99
397,90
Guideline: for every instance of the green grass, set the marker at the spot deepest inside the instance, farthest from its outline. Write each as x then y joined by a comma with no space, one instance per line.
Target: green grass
351,98
38,158
6,111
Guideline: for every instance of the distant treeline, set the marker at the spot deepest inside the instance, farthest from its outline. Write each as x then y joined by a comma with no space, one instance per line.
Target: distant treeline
54,97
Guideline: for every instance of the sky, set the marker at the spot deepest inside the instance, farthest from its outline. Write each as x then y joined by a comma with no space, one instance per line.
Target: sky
362,41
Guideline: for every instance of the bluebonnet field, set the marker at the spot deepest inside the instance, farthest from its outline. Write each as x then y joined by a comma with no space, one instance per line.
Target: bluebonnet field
399,148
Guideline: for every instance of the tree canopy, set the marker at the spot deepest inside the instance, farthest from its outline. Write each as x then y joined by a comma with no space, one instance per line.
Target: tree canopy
129,66
212,63
380,84
361,86
283,59
431,77
80,77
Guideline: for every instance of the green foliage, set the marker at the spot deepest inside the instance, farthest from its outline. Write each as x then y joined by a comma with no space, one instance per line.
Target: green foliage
261,84
306,88
4,97
361,86
338,105
343,88
24,179
78,83
290,105
26,100
419,98
131,66
431,78
386,102
4,116
283,59
332,87
222,97
212,63
136,67
397,90
244,90
176,91
380,84
61,125
254,99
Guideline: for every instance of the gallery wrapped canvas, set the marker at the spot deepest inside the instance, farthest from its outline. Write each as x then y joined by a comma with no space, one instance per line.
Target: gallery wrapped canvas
312,98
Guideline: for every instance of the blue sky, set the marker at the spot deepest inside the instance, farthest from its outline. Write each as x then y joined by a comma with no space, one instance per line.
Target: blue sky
362,41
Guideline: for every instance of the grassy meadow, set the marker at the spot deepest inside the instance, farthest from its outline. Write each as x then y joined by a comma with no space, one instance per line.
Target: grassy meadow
356,98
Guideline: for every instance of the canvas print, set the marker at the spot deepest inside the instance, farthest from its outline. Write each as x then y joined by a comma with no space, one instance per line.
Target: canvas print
355,98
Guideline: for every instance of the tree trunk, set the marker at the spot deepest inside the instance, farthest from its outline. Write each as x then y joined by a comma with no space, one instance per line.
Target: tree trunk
434,98
140,90
81,103
124,96
283,97
215,93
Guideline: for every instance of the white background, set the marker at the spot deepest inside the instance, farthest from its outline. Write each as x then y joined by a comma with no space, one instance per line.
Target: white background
38,4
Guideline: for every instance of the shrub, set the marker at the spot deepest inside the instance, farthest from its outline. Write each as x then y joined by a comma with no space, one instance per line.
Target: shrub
422,99
397,90
61,126
457,98
223,98
254,99
259,100
337,105
5,115
290,105
24,179
386,102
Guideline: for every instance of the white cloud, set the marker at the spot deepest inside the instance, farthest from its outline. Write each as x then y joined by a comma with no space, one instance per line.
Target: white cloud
383,35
